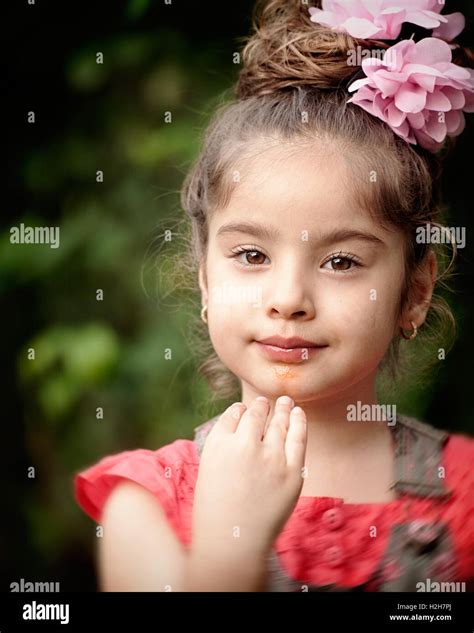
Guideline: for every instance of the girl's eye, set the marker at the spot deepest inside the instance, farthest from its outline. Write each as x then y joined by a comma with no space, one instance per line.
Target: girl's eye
342,262
252,257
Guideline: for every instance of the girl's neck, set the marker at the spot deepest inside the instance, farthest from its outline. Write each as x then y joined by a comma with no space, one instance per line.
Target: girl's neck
346,458
331,430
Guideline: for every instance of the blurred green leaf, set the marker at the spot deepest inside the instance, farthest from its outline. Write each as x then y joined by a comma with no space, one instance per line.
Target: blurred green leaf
68,361
136,9
91,353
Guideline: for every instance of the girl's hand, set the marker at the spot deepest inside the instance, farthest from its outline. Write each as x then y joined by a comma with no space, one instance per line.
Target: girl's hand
250,478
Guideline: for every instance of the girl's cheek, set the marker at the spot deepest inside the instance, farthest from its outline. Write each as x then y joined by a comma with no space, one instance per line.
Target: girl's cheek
227,344
351,305
365,313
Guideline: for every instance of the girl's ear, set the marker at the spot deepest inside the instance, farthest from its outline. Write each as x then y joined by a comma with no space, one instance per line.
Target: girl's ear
203,282
421,291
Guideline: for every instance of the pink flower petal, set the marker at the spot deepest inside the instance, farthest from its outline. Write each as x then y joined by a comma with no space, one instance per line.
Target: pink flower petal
455,122
365,105
426,141
458,72
370,65
350,8
393,11
390,23
410,98
456,23
379,105
456,97
393,76
461,126
365,93
431,51
417,5
436,129
360,28
416,120
389,87
469,107
427,82
396,54
395,116
326,18
403,129
355,85
405,132
438,101
375,6
422,69
424,19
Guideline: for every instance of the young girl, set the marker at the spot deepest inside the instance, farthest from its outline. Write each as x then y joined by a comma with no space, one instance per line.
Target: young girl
305,212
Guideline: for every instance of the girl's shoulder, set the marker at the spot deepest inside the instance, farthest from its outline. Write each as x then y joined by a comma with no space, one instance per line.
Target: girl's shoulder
166,472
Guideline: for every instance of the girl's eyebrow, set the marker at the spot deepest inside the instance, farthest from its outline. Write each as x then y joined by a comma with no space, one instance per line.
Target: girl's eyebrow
263,232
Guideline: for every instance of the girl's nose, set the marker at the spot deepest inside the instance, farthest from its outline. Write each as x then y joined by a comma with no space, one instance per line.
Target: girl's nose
289,294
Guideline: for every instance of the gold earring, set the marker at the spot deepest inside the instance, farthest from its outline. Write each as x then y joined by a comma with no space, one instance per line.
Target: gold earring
204,314
413,333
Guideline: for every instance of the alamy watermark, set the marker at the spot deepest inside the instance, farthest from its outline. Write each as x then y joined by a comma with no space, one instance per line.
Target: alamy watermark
433,234
35,235
39,611
356,55
228,294
24,585
359,412
435,586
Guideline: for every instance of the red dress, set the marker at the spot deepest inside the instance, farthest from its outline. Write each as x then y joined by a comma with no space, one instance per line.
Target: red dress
425,535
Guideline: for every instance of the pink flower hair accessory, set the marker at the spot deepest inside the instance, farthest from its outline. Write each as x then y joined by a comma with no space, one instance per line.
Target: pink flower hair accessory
383,19
417,91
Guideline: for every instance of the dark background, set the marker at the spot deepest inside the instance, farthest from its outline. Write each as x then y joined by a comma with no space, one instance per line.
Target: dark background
109,353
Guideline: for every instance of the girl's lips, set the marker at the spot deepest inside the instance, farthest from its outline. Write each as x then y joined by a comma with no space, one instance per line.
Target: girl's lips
292,355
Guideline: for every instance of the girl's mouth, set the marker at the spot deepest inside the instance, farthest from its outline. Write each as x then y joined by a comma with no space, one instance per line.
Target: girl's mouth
289,355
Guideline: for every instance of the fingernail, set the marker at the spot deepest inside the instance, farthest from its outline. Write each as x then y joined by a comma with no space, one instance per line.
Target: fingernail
262,399
298,411
237,410
285,400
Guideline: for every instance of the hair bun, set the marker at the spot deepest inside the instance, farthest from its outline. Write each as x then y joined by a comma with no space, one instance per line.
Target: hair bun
286,50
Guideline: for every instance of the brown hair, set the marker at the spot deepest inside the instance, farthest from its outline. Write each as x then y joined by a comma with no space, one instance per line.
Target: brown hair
293,66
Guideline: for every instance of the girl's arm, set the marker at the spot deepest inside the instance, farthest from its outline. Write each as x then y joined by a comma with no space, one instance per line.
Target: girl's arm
248,484
140,552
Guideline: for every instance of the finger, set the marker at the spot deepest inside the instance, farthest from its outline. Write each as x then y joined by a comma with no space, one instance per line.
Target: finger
296,439
277,427
253,420
230,419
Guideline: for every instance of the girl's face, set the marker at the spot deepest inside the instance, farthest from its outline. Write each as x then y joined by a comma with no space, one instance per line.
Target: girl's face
292,256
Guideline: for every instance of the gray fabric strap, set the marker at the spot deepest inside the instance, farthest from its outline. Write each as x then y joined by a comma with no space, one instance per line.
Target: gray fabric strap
418,458
201,432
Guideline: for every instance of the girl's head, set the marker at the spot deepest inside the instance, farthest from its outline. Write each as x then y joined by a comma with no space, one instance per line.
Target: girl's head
304,212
